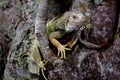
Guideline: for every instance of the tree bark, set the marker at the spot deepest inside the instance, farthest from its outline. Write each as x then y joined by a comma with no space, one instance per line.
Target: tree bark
81,63
40,32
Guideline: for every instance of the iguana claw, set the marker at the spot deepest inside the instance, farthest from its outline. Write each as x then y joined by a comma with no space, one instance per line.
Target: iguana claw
61,51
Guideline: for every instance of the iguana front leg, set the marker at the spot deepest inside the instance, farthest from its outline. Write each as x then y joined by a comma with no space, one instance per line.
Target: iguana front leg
61,48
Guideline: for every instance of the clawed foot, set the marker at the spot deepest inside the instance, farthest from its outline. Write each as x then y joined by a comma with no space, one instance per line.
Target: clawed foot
42,64
42,68
61,51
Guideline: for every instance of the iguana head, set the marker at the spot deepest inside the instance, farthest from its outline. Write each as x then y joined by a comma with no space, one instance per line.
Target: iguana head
75,21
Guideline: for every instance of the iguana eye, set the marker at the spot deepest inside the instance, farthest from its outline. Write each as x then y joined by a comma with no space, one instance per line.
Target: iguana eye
74,17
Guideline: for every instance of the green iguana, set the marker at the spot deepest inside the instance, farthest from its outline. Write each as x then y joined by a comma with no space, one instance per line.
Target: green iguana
73,21
35,57
60,25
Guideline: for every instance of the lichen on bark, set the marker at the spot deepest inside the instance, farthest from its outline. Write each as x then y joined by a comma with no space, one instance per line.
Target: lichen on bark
82,63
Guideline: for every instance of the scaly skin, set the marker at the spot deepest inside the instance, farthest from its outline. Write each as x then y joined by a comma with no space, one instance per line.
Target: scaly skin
59,26
86,43
34,55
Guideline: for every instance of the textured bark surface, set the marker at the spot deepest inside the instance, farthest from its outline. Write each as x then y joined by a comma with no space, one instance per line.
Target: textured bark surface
40,31
19,27
23,20
83,63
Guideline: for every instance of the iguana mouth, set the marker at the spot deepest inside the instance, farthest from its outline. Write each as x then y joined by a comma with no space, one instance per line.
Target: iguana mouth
69,29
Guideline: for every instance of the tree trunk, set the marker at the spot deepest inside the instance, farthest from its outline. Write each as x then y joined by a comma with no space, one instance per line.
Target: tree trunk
24,20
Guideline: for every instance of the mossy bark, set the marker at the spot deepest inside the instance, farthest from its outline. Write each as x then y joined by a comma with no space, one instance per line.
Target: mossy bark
24,17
